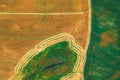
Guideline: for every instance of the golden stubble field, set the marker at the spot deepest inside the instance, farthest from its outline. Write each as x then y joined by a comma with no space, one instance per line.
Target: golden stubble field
20,33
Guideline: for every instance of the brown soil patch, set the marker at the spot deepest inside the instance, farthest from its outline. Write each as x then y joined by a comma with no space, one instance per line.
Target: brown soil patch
107,38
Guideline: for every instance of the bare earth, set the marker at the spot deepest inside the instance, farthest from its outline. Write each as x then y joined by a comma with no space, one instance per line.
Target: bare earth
18,33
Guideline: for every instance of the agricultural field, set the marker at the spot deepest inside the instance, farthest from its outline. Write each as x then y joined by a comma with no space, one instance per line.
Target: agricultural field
20,33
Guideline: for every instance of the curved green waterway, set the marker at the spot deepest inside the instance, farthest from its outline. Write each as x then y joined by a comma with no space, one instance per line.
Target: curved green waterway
103,56
51,64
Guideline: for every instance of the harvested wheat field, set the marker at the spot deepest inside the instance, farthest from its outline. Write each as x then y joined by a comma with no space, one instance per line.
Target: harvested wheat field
23,24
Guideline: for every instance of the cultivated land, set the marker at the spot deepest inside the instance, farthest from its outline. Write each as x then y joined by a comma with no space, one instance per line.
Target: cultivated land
20,33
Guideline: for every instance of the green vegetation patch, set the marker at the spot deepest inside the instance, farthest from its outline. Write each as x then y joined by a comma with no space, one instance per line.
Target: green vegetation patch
103,57
51,64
